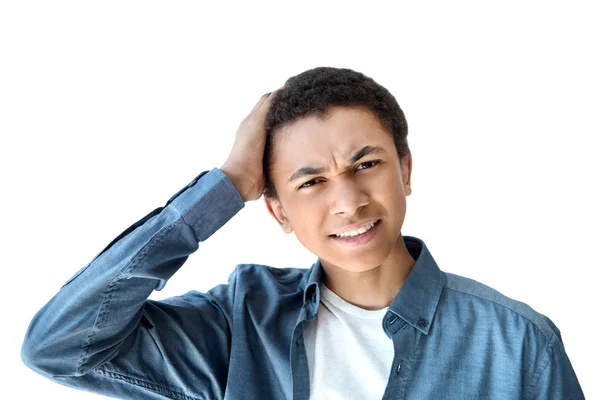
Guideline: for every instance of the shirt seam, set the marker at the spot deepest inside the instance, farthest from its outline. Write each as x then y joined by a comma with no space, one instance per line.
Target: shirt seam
506,307
144,384
107,297
540,369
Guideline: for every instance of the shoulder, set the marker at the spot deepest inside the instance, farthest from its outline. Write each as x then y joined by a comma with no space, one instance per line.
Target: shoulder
462,289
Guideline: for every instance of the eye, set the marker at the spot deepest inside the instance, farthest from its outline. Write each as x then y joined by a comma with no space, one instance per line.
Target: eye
370,164
374,162
305,184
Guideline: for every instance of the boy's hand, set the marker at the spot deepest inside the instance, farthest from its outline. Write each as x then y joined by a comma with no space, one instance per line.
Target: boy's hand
244,166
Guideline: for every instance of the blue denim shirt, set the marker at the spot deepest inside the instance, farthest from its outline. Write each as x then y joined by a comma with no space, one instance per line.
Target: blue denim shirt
454,338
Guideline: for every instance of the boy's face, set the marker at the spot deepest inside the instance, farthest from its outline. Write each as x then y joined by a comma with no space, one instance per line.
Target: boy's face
345,192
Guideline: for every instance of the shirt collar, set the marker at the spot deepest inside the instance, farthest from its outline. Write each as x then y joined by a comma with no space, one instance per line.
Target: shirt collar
312,295
416,301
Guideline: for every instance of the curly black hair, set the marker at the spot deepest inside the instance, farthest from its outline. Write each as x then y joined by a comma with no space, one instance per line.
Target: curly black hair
313,92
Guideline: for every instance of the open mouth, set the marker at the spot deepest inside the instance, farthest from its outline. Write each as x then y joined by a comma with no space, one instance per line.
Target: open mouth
359,239
373,227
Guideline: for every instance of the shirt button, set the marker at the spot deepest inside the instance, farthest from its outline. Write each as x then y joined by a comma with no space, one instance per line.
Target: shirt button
422,322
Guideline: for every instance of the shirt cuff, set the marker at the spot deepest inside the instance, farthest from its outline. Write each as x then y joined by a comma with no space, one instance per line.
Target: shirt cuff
208,202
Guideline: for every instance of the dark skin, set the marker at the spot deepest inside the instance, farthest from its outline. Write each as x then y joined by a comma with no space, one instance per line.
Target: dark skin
343,195
244,164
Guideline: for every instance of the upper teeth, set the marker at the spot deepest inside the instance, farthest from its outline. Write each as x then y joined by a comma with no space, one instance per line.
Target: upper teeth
357,232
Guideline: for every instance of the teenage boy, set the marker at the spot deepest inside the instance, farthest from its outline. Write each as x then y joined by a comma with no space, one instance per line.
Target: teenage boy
373,318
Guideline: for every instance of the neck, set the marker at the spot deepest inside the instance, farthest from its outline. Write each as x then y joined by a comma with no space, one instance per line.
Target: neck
375,288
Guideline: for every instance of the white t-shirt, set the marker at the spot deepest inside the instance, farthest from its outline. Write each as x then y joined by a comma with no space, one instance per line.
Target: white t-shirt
349,354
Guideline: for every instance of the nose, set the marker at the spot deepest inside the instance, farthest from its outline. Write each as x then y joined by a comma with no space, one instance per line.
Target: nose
347,197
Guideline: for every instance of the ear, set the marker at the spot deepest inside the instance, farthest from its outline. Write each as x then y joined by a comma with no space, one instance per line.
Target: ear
406,165
276,210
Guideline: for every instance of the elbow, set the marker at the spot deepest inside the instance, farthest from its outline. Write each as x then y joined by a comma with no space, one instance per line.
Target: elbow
32,357
61,358
47,359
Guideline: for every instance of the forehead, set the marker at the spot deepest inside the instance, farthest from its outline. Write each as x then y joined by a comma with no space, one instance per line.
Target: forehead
343,131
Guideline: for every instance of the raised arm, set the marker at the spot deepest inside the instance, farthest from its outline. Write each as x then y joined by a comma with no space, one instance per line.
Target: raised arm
100,332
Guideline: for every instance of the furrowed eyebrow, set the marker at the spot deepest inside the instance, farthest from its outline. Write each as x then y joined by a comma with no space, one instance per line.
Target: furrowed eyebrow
365,151
306,171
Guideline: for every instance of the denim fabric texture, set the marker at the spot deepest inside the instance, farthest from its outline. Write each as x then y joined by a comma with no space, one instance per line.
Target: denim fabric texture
454,338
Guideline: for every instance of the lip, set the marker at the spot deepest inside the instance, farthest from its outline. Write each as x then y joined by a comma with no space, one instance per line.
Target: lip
359,240
355,226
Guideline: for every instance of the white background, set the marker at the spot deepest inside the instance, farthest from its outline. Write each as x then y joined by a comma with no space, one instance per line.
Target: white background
108,108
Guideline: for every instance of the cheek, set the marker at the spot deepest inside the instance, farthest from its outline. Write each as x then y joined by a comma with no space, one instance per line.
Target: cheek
310,225
389,193
305,217
392,182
